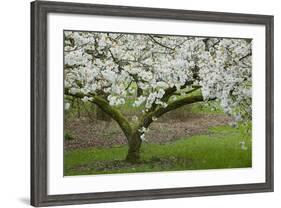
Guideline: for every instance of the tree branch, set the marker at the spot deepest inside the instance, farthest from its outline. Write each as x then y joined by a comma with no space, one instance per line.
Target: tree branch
147,119
247,55
170,91
111,111
115,114
157,42
76,48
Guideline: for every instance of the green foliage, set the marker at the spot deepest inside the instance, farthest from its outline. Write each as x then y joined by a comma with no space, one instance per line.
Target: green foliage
220,147
209,107
68,136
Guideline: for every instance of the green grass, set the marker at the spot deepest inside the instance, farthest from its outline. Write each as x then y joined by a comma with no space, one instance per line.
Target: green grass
219,148
210,108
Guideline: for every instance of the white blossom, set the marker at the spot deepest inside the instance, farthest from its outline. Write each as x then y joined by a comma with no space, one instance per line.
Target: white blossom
142,137
85,99
143,130
66,106
242,145
74,91
135,118
121,66
154,118
139,101
115,101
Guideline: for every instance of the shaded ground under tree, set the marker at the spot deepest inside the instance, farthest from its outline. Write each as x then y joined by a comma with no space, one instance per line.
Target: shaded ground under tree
96,133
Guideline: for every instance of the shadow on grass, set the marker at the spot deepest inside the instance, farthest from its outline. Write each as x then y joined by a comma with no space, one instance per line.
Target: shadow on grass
167,163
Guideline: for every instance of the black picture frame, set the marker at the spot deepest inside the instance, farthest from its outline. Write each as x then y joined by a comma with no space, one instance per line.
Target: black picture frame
39,12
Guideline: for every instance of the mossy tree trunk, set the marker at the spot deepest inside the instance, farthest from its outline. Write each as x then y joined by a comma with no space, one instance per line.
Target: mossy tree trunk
134,145
101,115
132,131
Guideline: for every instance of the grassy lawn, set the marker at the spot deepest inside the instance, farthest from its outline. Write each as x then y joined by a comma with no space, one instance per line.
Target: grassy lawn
220,147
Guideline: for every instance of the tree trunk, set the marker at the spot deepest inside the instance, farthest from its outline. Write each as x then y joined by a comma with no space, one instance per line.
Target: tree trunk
134,143
102,116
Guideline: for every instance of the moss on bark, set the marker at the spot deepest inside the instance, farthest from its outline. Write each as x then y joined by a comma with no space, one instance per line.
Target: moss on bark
131,132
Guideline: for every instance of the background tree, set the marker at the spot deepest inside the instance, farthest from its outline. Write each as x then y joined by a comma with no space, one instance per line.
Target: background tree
157,74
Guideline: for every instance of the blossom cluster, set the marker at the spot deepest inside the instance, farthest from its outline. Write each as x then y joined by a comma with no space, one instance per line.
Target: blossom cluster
143,131
144,67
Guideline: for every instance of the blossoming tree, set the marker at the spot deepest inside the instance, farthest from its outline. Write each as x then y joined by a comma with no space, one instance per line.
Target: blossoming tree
157,74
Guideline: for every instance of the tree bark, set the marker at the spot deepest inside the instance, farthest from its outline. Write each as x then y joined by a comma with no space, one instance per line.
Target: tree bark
101,115
134,144
131,132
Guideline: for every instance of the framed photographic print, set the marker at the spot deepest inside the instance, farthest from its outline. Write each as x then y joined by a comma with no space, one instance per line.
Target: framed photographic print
132,103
